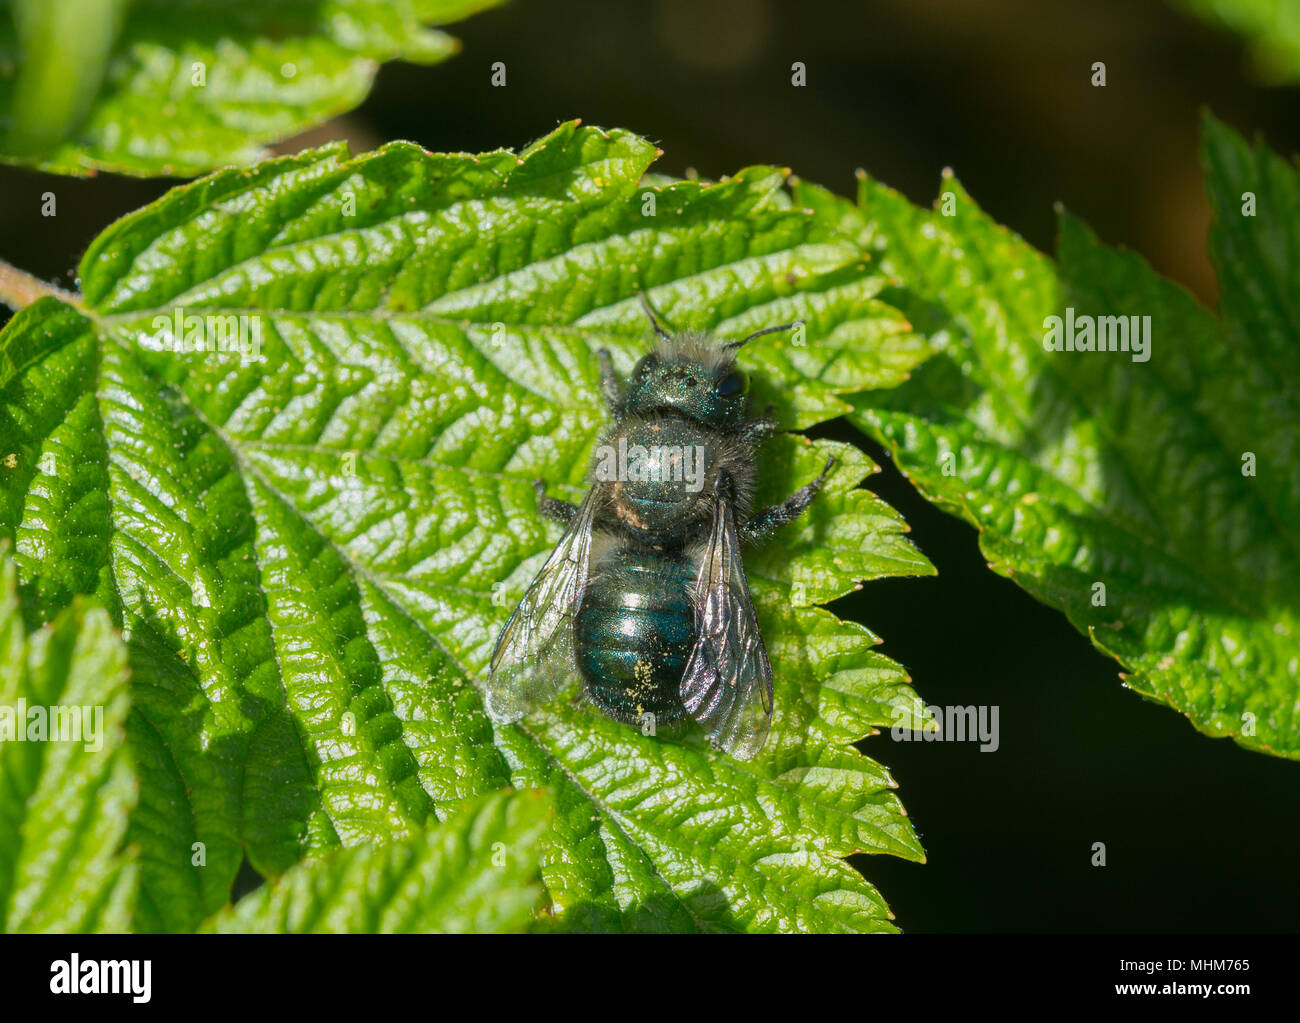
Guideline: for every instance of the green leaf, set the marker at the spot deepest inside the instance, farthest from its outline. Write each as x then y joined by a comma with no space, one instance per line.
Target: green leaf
1082,468
1270,27
313,553
65,46
66,786
182,88
476,874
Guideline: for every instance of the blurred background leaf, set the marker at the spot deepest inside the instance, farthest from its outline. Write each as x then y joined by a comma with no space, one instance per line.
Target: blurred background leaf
1271,27
177,87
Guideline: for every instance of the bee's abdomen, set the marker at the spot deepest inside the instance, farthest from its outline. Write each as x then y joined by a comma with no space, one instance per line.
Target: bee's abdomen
635,631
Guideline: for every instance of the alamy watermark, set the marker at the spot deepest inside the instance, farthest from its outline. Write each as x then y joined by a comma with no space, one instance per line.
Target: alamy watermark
949,724
1098,334
77,976
218,333
658,463
21,723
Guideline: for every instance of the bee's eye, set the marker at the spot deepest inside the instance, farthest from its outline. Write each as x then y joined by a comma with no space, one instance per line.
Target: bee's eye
732,384
643,368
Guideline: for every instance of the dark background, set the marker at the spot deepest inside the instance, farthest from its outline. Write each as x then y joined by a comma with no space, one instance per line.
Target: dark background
1200,835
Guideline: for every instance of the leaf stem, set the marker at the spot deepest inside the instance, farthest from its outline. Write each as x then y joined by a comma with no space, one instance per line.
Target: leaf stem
18,288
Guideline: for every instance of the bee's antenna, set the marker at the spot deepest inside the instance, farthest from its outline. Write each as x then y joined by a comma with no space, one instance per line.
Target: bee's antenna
760,333
645,304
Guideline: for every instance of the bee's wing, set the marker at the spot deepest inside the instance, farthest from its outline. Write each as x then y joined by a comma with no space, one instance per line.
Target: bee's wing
727,685
533,656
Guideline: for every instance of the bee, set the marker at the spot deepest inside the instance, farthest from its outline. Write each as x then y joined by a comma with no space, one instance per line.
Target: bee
645,593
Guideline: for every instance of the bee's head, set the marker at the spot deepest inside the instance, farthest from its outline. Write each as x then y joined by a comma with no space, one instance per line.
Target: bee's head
692,375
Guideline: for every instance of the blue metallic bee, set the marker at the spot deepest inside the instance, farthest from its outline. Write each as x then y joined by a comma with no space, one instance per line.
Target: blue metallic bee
645,592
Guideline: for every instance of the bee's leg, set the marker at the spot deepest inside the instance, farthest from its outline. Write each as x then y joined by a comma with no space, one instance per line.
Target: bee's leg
762,523
553,507
609,385
759,429
581,699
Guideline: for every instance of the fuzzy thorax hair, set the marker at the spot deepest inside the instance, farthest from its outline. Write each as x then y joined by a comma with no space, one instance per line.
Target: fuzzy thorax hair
695,346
